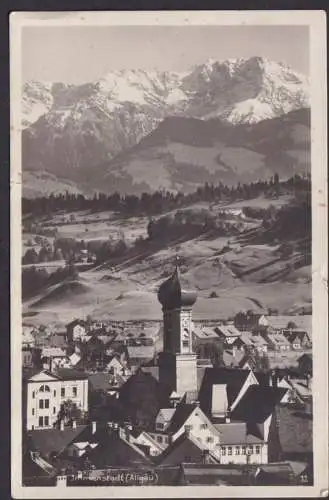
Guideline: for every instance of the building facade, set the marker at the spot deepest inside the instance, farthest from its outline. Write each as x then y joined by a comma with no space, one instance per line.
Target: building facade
47,391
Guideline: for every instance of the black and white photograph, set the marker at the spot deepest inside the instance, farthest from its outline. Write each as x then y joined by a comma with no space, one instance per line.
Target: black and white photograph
169,277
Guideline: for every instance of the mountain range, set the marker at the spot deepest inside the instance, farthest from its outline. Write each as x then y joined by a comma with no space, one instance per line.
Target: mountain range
137,130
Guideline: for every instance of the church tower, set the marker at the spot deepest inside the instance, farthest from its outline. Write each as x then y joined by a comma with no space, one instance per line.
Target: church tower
177,362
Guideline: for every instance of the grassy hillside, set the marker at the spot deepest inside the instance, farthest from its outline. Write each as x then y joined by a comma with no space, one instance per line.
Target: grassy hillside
258,266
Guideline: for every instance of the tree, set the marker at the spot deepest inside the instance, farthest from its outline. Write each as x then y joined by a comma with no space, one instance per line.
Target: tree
30,256
69,411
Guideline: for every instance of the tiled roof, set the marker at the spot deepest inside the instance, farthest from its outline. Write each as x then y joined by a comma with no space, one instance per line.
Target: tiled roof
167,413
228,330
233,378
302,322
182,412
144,352
257,404
53,352
277,339
235,433
69,374
53,440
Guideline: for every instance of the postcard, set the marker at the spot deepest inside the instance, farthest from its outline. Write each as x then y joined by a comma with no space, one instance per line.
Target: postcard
169,254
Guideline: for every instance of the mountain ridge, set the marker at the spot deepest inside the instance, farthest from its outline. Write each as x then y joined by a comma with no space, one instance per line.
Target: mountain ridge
70,130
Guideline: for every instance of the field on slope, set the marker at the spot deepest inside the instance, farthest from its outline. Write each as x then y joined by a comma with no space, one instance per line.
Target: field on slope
229,274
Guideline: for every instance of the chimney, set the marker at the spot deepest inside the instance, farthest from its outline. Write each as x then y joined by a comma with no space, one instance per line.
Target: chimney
93,427
61,425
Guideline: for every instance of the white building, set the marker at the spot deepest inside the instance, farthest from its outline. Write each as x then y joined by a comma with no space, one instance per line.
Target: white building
46,391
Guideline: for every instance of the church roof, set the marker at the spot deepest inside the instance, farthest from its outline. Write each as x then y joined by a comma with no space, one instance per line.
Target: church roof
171,294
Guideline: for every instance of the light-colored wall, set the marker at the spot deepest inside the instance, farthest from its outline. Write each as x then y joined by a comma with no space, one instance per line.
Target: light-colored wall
254,458
55,399
186,373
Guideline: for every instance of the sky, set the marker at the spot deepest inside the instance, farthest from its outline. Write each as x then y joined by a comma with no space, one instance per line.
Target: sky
74,54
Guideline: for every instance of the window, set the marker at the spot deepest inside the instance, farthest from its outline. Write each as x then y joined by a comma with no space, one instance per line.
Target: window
203,426
74,392
159,439
54,394
46,403
185,343
46,421
54,410
223,450
243,450
40,421
41,404
250,449
44,388
229,452
210,439
63,392
237,450
160,425
32,411
257,447
33,394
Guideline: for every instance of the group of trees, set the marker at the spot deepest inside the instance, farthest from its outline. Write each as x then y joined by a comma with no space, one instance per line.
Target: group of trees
34,280
162,201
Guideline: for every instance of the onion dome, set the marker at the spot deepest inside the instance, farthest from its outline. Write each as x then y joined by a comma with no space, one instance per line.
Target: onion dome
171,294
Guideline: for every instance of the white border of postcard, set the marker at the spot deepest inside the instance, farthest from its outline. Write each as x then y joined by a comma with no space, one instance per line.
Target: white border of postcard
316,20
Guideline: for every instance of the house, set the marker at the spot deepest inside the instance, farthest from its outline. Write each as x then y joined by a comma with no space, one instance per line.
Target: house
240,446
147,442
223,388
58,339
139,355
28,337
109,445
116,367
295,340
163,418
204,334
205,474
76,330
46,391
281,324
277,342
227,333
53,356
185,449
74,360
238,359
27,357
53,441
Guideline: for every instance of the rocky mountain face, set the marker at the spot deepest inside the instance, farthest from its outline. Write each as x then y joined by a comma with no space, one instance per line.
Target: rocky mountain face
78,131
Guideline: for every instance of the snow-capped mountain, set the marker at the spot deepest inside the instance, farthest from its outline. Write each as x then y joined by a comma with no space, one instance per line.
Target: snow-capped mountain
71,130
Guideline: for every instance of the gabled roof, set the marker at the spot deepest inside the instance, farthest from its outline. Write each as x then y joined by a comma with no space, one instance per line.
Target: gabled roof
302,322
277,339
143,352
166,413
258,403
182,412
53,352
235,433
53,440
75,322
227,330
186,444
233,378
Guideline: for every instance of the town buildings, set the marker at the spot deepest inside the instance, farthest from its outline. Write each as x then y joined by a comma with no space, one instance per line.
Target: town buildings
170,409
